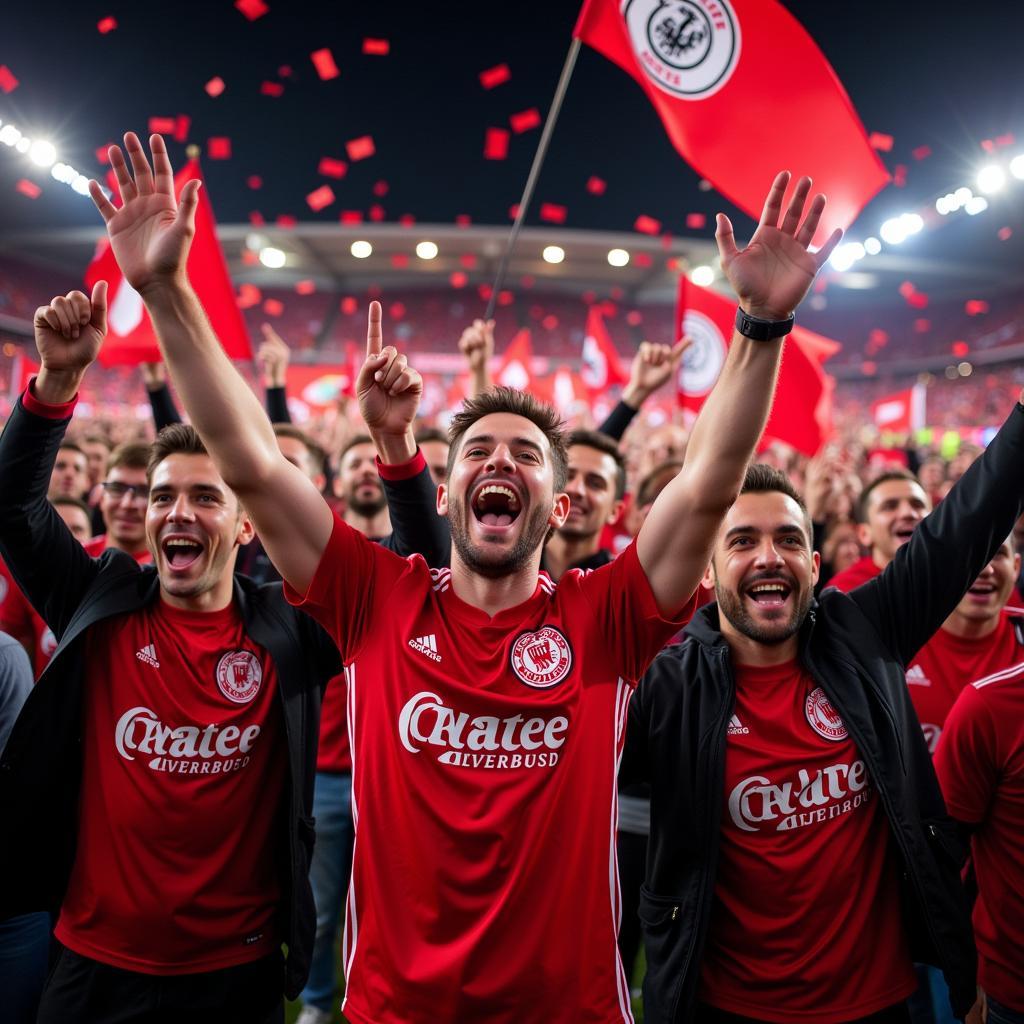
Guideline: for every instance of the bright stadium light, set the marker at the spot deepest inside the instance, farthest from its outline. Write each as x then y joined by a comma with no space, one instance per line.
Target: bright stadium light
702,275
23,144
42,153
942,205
893,231
976,205
618,257
9,135
426,250
991,179
912,222
872,246
846,255
961,196
553,254
272,258
361,249
1017,166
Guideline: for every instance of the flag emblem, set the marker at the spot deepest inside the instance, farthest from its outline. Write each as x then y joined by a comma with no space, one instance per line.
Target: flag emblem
541,659
703,360
687,48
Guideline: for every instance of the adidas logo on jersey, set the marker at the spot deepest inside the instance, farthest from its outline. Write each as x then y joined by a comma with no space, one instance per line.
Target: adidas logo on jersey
148,655
916,676
426,645
736,727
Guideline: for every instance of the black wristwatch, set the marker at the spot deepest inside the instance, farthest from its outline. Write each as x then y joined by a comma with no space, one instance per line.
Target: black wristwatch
762,330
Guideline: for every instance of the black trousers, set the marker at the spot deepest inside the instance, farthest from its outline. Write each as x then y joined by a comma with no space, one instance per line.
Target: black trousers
891,1015
84,991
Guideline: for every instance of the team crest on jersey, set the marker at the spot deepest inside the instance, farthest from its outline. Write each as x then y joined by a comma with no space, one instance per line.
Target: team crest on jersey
687,48
541,659
239,675
823,718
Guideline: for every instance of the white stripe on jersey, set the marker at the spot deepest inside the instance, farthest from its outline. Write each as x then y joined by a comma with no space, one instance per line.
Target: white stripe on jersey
622,695
350,929
1000,676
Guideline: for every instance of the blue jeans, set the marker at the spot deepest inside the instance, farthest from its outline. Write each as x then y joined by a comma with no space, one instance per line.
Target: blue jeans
999,1014
24,961
328,875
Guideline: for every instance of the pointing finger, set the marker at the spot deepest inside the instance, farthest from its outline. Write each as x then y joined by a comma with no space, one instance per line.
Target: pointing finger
99,306
374,335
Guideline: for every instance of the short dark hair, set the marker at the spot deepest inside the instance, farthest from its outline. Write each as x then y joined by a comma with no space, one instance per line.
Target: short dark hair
607,446
351,443
175,439
515,403
761,478
67,499
297,434
131,455
425,434
656,481
98,439
861,511
72,447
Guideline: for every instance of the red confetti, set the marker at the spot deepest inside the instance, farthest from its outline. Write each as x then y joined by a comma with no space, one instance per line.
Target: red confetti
101,153
899,175
907,289
305,287
349,305
106,25
642,259
284,71
496,144
254,181
8,83
616,293
975,307
921,152
1005,139
596,186
29,188
492,77
961,348
218,148
361,148
880,141
323,61
331,168
988,145
527,280
922,325
1004,233
252,9
376,213
868,368
249,258
380,189
647,225
484,291
161,125
256,219
182,123
248,295
919,300
273,307
272,89
397,311
458,279
376,47
407,220
463,220
525,120
552,213
505,298
215,86
550,322
400,260
513,211
351,217
877,337
320,198
286,221
696,220
634,318
468,260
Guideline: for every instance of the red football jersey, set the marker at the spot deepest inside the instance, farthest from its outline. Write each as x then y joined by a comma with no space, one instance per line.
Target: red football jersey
485,753
806,923
980,764
947,663
333,754
858,573
183,775
98,545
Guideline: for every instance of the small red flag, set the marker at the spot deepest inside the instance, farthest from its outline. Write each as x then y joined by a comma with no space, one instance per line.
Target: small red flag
703,66
514,371
601,366
801,415
901,412
130,338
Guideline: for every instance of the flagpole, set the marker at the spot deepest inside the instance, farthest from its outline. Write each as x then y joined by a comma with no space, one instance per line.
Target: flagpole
531,181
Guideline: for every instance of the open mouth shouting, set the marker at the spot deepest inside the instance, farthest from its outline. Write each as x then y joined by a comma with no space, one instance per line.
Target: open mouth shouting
982,593
496,505
903,532
181,551
769,593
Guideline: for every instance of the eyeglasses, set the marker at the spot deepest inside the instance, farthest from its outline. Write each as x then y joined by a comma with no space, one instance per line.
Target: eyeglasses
117,491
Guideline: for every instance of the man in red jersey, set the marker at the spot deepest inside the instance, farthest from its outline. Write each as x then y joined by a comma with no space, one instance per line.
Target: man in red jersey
980,763
486,705
888,510
801,858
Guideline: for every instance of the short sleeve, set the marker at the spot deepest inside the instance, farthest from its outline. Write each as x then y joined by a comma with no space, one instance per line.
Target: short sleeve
966,760
628,619
354,578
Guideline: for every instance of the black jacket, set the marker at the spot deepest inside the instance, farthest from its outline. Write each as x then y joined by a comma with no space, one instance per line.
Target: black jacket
40,768
856,647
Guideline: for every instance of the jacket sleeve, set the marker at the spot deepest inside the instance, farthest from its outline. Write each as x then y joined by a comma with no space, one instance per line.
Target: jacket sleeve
922,585
46,561
164,412
633,768
416,527
277,406
618,420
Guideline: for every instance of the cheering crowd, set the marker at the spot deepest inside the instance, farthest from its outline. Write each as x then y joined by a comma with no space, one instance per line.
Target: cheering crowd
499,705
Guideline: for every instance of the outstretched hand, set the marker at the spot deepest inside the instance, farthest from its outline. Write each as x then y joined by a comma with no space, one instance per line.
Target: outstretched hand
389,390
151,233
774,272
70,330
653,365
273,356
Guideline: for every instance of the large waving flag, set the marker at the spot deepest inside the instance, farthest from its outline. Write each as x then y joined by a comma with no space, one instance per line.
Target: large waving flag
514,369
801,414
130,336
743,91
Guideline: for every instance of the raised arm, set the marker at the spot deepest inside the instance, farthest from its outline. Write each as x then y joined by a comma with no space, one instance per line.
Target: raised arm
652,366
273,356
151,235
770,276
477,346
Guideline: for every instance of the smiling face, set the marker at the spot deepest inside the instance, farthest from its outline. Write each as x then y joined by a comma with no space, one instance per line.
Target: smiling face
499,497
990,592
359,480
194,526
763,570
124,509
894,508
591,489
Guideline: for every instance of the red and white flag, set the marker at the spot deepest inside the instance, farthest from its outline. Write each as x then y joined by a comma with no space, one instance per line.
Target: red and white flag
902,412
801,414
743,91
601,366
23,369
514,370
130,336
